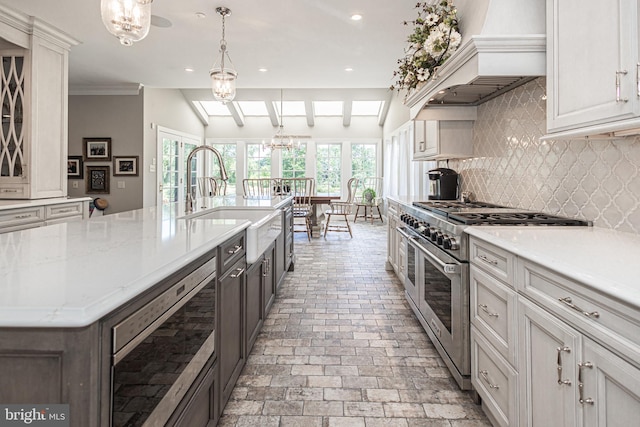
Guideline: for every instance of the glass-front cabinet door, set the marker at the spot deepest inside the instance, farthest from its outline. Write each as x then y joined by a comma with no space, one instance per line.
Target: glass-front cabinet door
12,140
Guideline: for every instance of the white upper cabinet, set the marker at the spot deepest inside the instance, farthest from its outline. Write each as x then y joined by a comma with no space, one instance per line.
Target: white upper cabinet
444,133
33,147
593,84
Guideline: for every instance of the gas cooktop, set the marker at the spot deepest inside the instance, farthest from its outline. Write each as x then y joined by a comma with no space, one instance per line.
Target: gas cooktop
481,213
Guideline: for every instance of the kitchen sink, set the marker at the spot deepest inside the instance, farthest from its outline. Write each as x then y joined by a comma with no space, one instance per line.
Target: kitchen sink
265,227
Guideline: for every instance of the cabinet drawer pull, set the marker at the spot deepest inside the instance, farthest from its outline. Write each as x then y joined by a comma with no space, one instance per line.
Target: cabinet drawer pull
484,308
618,97
235,250
9,190
238,273
485,377
582,400
559,362
487,260
567,301
66,210
22,216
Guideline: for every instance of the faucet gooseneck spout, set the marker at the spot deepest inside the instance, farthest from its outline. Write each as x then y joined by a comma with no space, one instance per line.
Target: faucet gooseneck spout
223,173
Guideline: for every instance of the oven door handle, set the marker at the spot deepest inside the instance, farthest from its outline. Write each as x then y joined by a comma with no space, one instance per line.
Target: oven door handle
401,231
445,268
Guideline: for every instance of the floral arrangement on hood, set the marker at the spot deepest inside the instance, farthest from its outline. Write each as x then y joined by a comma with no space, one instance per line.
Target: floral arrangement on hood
435,37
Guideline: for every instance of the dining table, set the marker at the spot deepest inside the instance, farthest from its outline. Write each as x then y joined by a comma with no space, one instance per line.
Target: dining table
315,216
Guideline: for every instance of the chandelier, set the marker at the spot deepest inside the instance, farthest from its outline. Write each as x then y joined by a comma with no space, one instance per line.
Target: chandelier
282,140
128,20
223,79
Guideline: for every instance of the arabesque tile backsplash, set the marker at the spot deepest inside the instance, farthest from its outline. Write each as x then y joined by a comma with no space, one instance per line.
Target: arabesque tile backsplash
597,180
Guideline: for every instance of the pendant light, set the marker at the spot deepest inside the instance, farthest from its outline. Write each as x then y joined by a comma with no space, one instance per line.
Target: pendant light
280,139
128,20
223,77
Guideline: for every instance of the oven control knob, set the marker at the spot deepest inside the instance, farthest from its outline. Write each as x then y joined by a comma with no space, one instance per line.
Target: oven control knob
440,238
420,227
437,236
451,243
433,233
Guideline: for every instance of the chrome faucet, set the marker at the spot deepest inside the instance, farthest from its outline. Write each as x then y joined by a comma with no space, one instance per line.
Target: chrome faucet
223,173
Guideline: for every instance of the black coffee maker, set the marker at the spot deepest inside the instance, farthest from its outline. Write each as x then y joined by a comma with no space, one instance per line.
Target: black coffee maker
443,184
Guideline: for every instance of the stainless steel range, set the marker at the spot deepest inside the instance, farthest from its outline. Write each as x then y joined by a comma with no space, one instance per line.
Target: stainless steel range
437,268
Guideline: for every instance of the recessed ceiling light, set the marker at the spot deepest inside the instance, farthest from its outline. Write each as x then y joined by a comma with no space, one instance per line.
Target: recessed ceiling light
356,17
348,69
188,70
201,15
262,70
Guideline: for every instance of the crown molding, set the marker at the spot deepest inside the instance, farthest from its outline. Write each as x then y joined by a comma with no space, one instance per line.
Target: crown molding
121,89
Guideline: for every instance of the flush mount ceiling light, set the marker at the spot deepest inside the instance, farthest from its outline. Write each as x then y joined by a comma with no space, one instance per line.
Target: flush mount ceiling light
223,78
128,20
282,140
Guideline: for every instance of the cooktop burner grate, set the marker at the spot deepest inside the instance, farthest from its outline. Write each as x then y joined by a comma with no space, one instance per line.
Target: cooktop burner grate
514,218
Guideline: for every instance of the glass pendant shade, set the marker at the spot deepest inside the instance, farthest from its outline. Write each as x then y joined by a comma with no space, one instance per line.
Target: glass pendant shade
128,20
223,83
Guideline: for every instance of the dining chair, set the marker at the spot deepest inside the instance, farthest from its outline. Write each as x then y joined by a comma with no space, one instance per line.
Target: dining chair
341,209
256,187
301,189
210,186
369,198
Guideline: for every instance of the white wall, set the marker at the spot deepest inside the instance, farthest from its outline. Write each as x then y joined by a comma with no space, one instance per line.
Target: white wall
169,109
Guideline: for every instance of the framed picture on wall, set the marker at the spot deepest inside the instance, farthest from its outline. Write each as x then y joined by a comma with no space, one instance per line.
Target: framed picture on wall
97,180
96,149
125,166
74,167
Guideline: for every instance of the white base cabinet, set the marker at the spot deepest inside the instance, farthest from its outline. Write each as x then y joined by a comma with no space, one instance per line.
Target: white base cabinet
38,213
547,351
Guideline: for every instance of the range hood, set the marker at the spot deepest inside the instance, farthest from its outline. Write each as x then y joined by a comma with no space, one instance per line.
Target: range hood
503,46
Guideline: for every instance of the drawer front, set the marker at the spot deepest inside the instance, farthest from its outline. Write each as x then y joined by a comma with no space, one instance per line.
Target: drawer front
231,251
609,321
494,380
63,210
13,191
493,312
492,259
22,216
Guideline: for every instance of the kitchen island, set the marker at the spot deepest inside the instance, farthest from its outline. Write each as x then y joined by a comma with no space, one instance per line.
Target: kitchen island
66,287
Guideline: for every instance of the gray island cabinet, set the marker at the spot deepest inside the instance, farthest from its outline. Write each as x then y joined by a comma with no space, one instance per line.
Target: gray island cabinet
145,316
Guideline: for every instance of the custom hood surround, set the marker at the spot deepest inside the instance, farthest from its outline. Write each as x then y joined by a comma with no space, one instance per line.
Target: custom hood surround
503,46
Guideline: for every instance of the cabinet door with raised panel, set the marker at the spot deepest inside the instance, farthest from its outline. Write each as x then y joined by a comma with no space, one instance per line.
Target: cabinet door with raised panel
548,356
611,388
592,52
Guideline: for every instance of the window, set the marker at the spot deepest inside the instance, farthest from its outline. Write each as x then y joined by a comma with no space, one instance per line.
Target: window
363,160
328,169
258,161
294,162
228,153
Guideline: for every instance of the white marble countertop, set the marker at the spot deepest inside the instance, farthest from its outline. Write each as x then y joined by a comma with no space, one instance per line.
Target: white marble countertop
72,274
16,203
602,259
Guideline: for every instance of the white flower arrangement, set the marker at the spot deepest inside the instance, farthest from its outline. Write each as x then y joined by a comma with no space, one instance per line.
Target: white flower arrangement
435,37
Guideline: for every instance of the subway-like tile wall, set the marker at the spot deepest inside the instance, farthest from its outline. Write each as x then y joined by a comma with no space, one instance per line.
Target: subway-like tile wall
597,180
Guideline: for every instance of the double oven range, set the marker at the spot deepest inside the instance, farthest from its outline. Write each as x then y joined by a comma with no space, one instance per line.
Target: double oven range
437,269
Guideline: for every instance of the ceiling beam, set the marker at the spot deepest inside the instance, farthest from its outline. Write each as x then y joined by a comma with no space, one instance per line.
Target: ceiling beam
236,113
346,112
273,114
308,108
382,116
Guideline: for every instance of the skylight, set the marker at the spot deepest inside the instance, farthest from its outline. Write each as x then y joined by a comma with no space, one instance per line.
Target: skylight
253,108
215,108
366,108
291,108
327,108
